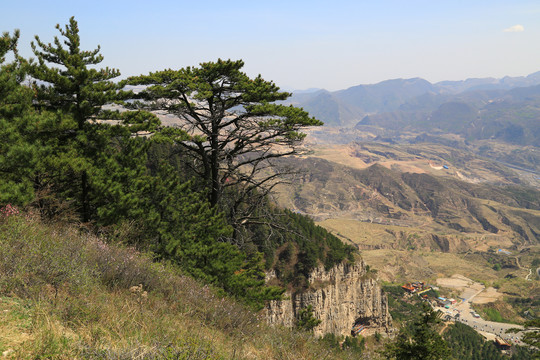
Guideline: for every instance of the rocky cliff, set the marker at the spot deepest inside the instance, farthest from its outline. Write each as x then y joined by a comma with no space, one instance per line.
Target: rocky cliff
342,297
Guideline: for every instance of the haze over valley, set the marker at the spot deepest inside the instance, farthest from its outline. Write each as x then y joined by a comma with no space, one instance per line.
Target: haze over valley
429,180
165,195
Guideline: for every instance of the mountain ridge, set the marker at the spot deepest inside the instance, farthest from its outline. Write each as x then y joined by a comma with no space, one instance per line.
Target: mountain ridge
347,107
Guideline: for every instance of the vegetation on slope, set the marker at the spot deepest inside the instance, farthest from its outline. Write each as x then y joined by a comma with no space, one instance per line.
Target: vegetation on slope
327,189
467,344
401,308
67,295
296,251
79,152
291,243
419,338
462,340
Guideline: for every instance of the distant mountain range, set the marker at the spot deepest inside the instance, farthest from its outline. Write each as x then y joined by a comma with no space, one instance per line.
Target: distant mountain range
507,109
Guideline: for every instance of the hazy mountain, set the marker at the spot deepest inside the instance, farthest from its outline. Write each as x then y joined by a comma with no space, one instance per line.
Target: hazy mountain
513,116
325,105
349,106
306,91
505,83
384,96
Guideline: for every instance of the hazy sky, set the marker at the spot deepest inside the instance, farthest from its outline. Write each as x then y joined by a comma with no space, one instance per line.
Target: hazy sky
300,44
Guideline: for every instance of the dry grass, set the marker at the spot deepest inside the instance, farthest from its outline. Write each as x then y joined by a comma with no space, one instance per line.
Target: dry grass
15,323
68,297
340,154
406,265
412,158
363,233
498,311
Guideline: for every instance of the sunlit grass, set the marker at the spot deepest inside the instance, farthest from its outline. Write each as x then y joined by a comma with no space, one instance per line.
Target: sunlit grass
66,295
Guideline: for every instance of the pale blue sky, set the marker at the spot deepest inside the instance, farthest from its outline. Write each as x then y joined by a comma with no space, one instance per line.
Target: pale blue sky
300,44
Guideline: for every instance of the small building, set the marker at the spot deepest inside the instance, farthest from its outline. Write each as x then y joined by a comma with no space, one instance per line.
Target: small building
414,286
409,288
424,291
502,344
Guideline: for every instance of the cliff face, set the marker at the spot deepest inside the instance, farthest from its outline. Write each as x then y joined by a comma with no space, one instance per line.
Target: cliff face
341,297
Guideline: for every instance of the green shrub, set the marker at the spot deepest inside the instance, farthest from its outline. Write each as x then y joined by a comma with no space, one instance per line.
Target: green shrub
306,321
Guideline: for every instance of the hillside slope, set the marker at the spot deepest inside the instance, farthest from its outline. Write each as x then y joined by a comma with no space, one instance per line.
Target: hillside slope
442,204
66,295
512,117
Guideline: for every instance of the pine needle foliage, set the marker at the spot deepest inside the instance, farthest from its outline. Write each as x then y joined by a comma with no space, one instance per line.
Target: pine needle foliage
235,128
420,339
466,344
17,154
80,133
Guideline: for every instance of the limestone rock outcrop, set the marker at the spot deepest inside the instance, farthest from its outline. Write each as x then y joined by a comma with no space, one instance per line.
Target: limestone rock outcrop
342,297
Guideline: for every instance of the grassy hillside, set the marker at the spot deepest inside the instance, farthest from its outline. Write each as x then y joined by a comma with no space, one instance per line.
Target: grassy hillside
442,204
67,295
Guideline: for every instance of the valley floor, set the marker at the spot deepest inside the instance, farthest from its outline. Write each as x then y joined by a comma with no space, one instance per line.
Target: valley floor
473,292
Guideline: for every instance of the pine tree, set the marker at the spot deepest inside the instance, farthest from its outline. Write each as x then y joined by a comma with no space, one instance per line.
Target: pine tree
420,340
306,320
121,182
249,284
531,335
17,154
236,129
186,229
80,130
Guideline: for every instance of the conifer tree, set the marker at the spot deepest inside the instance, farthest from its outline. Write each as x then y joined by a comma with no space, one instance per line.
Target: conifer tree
419,340
75,92
531,335
185,228
306,320
236,129
16,120
121,182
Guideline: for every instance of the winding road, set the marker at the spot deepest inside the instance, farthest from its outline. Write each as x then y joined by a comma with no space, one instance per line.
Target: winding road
531,272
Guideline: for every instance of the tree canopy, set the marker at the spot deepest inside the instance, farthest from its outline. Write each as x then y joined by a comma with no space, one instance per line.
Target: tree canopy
420,339
531,335
76,146
235,127
16,120
78,138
